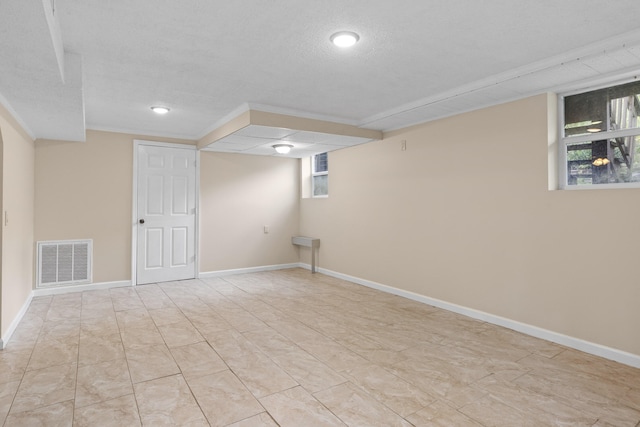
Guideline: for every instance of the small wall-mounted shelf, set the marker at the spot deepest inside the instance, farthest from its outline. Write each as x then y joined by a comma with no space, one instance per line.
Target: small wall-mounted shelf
308,242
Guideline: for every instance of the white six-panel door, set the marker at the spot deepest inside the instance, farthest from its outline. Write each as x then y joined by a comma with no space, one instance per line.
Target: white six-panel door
166,206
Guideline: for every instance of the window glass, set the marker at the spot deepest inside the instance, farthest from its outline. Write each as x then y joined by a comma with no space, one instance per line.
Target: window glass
602,110
321,185
604,161
320,175
602,136
320,163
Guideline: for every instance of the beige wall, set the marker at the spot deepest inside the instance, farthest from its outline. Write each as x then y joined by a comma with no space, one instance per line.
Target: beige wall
239,195
17,169
464,215
84,191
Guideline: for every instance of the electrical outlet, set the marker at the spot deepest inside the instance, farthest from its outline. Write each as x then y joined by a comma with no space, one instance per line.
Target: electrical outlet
266,229
403,145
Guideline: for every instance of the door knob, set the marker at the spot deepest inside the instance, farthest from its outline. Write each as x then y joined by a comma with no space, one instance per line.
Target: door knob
141,221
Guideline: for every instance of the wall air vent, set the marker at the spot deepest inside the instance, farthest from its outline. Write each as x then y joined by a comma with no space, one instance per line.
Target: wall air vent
64,262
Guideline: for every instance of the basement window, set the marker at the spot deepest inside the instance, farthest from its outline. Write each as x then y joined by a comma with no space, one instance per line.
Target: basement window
600,134
320,175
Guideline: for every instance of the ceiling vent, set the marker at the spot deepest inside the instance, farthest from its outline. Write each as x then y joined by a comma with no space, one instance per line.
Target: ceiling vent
64,262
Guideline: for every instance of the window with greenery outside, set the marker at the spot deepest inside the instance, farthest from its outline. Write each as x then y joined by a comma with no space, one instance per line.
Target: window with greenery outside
601,136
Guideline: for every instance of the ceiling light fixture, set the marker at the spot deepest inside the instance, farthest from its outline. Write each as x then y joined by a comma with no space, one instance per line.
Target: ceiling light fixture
594,130
283,148
160,110
344,38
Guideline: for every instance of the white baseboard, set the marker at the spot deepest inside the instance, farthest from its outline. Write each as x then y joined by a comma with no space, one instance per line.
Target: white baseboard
4,340
534,331
77,288
220,273
568,341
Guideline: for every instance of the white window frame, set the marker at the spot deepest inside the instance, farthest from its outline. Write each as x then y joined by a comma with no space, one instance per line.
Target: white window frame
564,141
314,174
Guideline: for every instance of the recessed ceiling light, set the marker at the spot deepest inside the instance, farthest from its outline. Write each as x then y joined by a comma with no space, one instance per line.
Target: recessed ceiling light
283,148
344,38
160,110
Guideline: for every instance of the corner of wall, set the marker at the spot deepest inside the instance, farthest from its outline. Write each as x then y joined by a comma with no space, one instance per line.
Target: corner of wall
305,178
6,336
1,228
17,221
553,149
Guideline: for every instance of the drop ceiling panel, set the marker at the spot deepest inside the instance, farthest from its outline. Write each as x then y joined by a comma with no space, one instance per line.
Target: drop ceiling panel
242,134
306,136
259,131
223,144
609,62
344,141
485,96
241,139
264,146
246,141
225,147
265,150
552,78
411,116
634,50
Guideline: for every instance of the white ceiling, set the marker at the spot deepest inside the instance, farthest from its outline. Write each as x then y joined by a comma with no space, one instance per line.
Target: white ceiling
259,140
417,60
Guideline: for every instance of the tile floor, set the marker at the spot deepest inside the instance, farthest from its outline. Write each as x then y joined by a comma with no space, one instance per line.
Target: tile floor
289,348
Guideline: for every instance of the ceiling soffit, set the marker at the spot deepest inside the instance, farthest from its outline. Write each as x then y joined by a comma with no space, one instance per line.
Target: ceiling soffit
255,132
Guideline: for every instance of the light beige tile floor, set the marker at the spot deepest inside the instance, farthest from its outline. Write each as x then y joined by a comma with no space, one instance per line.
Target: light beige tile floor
289,348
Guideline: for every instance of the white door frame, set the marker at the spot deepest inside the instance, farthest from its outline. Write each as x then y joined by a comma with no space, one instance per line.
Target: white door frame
134,212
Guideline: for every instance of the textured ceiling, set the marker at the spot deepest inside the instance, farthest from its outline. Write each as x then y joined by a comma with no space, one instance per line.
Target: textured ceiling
417,60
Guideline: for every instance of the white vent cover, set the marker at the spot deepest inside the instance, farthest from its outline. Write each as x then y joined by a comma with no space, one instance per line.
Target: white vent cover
64,262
